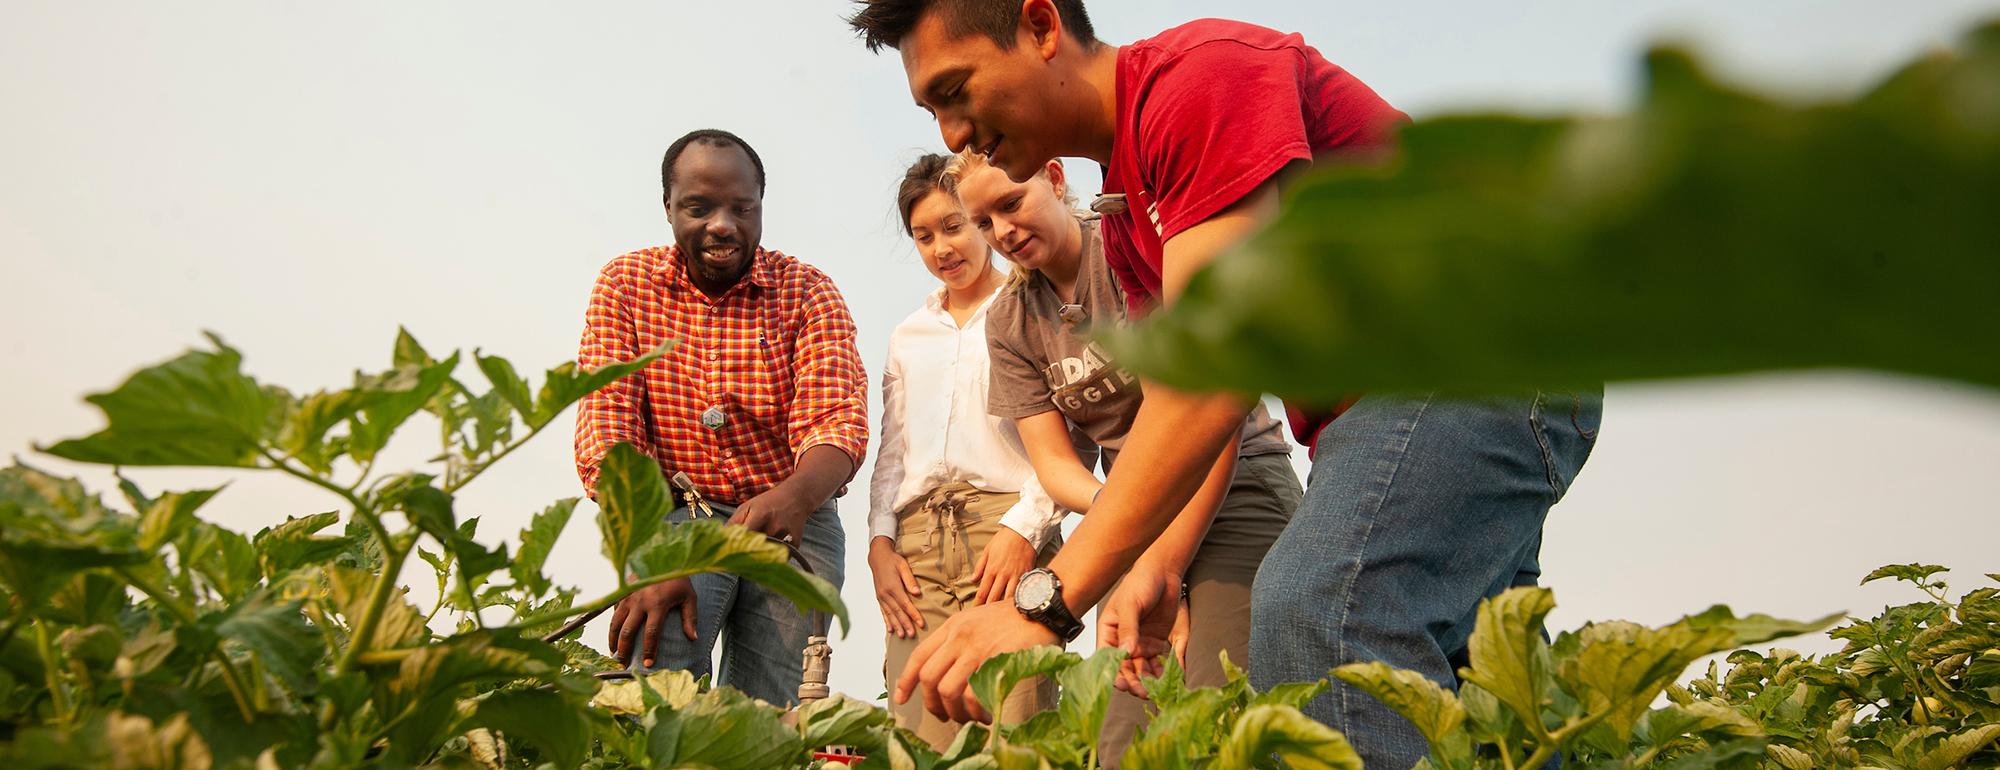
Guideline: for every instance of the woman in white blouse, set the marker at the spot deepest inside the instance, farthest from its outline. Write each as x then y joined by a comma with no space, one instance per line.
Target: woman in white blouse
956,514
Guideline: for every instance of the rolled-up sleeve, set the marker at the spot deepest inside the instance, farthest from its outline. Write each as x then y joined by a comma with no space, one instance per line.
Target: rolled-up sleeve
616,412
830,405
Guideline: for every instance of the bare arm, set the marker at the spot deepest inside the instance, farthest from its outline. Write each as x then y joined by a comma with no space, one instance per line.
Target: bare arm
1062,474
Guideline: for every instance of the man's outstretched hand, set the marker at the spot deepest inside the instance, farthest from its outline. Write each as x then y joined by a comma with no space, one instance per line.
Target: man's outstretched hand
942,664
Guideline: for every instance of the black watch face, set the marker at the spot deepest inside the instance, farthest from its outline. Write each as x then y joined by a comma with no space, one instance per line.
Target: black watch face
1035,590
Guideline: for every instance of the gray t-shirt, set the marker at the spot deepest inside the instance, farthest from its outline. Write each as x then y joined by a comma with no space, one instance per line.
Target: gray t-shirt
1041,362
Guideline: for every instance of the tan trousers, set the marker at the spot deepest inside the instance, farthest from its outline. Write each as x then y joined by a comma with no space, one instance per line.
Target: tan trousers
942,535
1261,500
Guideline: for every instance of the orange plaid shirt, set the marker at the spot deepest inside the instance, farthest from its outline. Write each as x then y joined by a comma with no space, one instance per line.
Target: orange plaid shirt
775,352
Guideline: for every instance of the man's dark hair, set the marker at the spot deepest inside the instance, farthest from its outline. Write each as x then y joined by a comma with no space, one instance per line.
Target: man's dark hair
713,137
884,23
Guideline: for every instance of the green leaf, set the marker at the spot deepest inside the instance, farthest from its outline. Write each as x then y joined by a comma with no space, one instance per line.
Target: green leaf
695,547
1620,667
669,687
565,383
844,721
198,409
1919,574
722,728
294,544
1759,628
1436,713
538,539
1184,731
554,726
304,434
632,502
1047,735
51,529
1509,658
170,515
420,698
1301,742
225,558
996,678
509,385
1958,747
276,632
400,624
1086,693
1719,755
390,398
1708,232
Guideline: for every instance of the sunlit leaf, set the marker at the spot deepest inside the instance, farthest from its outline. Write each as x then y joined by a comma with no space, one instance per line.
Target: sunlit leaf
508,384
724,729
1086,693
843,721
565,383
695,547
1919,574
295,544
276,632
198,409
554,726
165,518
1301,742
537,540
632,502
390,398
1435,711
1509,657
997,677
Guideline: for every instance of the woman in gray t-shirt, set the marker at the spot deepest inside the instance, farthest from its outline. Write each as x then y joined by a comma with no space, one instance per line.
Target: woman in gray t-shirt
1073,404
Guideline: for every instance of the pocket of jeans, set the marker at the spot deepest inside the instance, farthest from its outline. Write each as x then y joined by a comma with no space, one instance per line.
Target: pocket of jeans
1565,424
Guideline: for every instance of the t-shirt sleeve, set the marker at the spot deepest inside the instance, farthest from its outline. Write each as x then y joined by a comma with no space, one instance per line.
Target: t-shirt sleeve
1218,121
1119,255
1015,387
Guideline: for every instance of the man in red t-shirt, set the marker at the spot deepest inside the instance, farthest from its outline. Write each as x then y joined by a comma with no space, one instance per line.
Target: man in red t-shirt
1419,505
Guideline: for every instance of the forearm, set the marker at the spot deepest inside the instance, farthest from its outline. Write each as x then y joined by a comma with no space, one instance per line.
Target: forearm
1067,482
1177,545
821,471
1168,456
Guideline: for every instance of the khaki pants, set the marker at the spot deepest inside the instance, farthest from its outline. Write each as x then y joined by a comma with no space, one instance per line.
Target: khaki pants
1260,502
942,535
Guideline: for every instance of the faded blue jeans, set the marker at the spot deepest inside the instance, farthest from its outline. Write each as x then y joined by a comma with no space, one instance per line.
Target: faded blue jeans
763,634
1417,508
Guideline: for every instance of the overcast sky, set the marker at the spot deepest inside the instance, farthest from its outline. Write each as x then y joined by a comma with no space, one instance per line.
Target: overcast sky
304,177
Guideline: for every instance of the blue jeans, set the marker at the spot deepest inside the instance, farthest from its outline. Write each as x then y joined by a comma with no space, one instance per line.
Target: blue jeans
1417,508
763,634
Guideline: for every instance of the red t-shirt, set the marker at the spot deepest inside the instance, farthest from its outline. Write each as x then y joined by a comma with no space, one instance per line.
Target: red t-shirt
1207,112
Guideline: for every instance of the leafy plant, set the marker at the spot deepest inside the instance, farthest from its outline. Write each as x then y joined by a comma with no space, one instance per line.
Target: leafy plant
1710,231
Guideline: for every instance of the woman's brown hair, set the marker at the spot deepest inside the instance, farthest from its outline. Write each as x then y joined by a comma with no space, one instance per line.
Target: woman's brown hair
925,176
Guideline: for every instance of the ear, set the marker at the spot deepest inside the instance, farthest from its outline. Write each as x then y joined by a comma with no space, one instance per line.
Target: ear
1040,27
1054,170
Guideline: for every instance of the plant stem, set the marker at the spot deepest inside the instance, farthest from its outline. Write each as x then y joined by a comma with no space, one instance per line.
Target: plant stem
52,674
608,600
1539,758
378,600
14,624
231,678
362,511
453,485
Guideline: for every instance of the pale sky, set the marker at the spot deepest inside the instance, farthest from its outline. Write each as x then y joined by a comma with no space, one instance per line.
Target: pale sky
304,177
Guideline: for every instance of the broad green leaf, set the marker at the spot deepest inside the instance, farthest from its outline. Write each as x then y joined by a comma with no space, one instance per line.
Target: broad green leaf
304,433
226,559
1047,734
996,678
537,540
1509,658
1958,747
198,409
555,727
295,544
420,696
695,547
87,599
1293,694
1301,742
1436,712
51,529
1679,720
674,689
1620,667
390,398
171,514
1788,758
276,632
92,647
1759,628
1710,231
1170,686
565,383
509,385
138,743
400,624
722,728
1086,693
1009,757
1722,755
1919,574
1182,732
632,502
843,721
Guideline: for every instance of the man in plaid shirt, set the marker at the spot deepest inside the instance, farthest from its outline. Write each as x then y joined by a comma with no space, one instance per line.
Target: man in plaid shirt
763,404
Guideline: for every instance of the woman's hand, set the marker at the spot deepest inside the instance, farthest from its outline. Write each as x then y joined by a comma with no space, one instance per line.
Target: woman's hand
1000,565
895,588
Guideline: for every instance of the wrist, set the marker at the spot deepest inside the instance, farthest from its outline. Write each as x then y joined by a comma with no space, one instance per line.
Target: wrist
882,543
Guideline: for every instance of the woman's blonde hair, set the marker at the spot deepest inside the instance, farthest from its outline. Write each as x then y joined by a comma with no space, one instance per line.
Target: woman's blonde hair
965,162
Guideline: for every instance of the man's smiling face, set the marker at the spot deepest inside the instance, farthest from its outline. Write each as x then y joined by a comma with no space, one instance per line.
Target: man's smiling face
717,213
984,97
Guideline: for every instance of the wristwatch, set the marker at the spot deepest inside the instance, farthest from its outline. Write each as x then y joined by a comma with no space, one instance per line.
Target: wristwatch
1038,595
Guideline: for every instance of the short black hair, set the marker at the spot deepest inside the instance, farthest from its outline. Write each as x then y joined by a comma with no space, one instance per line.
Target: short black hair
713,137
884,23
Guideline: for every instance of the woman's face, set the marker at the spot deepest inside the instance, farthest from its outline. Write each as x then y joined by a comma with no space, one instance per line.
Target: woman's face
951,249
1026,221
